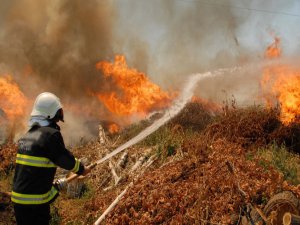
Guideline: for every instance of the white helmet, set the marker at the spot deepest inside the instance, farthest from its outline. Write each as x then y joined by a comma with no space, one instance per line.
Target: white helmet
46,105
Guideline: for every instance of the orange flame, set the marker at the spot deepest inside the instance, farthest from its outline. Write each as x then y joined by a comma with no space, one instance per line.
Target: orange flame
283,82
12,101
134,92
287,86
113,128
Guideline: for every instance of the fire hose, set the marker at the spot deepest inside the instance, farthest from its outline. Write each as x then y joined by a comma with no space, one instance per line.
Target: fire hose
61,183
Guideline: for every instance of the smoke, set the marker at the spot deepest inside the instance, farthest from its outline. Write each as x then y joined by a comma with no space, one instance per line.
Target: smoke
54,46
183,36
76,131
59,40
190,36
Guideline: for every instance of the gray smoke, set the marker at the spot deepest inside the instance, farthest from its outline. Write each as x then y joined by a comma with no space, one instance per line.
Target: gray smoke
54,46
190,36
60,40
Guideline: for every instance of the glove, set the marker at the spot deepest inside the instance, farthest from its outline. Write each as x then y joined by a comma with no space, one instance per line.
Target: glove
60,184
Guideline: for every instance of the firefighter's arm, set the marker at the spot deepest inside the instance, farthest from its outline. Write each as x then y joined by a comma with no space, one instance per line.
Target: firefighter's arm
62,157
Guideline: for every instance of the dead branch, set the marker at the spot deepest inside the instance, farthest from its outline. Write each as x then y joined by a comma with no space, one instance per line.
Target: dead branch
147,164
123,160
112,205
118,198
107,188
138,163
105,180
102,137
115,142
121,164
113,171
262,215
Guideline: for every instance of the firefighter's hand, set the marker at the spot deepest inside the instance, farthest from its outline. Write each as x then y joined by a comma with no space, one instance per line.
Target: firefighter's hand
60,184
86,171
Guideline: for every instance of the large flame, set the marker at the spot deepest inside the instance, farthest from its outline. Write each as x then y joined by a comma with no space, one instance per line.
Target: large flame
12,101
133,93
284,83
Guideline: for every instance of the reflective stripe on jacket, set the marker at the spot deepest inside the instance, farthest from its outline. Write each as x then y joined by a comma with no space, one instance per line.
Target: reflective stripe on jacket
34,161
27,199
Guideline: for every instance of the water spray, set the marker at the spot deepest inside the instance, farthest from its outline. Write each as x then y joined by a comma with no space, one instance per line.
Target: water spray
179,103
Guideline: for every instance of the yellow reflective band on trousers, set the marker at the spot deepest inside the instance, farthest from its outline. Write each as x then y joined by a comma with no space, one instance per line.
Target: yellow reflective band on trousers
76,166
33,199
29,160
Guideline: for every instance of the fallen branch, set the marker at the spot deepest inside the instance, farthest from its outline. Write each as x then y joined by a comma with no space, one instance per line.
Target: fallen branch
107,188
113,171
147,164
123,160
112,205
121,164
118,198
105,180
115,142
102,136
141,160
138,163
262,215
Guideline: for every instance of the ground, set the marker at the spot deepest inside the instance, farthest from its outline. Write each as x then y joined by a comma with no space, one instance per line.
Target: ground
192,170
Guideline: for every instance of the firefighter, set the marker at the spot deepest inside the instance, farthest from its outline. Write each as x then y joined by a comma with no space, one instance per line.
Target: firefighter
40,151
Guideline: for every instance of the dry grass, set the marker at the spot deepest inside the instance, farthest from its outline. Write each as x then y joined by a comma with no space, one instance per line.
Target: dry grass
199,187
254,127
190,183
7,157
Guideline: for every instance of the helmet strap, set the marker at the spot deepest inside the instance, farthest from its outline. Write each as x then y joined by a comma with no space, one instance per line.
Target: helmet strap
59,116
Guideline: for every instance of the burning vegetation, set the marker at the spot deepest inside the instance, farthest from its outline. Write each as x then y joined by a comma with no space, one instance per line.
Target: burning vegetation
113,128
178,174
12,100
205,165
132,91
13,105
282,82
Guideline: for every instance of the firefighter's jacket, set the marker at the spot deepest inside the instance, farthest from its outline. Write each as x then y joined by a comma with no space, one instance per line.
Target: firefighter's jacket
40,151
